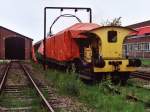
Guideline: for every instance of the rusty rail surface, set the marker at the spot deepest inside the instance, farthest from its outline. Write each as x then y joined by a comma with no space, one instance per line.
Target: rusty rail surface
4,76
45,102
142,75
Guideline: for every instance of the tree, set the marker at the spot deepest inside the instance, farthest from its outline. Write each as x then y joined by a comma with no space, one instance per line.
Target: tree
114,22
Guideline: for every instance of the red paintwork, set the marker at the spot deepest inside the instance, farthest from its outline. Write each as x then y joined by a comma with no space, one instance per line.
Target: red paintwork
141,38
142,30
137,40
33,55
62,46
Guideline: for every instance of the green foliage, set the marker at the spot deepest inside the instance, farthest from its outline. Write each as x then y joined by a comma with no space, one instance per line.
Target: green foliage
113,22
38,56
96,96
7,100
3,61
71,88
145,62
141,93
66,82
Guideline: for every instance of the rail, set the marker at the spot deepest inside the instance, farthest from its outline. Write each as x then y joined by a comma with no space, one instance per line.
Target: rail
46,103
128,96
4,76
142,75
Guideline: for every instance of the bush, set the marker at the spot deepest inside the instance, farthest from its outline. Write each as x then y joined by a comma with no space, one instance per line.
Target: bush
96,96
67,83
145,62
72,88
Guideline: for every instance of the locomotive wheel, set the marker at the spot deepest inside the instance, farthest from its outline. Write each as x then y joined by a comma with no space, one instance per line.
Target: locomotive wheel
120,78
115,77
123,78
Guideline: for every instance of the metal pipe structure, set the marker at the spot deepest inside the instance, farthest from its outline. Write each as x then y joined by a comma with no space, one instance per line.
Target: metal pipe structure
44,56
61,9
63,15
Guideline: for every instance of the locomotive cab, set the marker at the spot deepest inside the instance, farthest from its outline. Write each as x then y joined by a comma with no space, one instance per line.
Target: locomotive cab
112,38
103,51
90,50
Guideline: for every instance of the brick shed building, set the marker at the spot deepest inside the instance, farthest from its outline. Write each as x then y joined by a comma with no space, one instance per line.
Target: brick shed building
14,45
138,44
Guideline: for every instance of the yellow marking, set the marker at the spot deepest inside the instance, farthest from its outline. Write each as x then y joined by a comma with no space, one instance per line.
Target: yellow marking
110,68
111,49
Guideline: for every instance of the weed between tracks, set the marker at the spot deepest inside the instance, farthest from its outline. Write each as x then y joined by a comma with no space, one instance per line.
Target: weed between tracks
141,93
95,96
29,100
3,61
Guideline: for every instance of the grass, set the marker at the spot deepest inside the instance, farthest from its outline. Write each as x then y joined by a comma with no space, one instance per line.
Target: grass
30,100
145,62
141,93
3,61
95,96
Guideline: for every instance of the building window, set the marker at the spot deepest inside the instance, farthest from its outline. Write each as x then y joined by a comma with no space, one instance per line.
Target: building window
146,46
130,47
139,46
112,36
135,47
143,46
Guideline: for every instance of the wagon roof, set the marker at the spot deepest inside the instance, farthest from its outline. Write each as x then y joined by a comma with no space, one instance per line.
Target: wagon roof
77,28
118,27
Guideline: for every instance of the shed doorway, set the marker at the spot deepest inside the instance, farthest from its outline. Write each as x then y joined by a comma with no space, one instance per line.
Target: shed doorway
15,48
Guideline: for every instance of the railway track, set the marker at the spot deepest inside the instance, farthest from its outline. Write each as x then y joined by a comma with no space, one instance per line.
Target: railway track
142,79
128,96
141,75
19,92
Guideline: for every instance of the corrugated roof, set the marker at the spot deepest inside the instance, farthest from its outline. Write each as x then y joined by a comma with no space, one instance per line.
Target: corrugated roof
142,31
80,27
141,24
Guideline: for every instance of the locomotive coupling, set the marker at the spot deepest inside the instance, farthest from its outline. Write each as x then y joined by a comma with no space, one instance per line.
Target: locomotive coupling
115,64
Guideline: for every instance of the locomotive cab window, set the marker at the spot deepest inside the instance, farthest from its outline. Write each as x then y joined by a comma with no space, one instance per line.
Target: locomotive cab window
112,36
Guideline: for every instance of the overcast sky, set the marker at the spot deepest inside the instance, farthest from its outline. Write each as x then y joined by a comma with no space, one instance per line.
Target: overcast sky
26,16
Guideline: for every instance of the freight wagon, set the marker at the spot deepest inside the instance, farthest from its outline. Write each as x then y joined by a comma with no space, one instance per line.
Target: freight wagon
91,49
